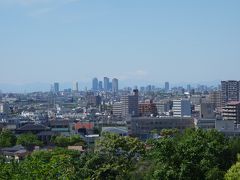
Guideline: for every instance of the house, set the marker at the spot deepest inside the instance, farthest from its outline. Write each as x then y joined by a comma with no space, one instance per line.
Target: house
46,136
17,152
32,128
63,127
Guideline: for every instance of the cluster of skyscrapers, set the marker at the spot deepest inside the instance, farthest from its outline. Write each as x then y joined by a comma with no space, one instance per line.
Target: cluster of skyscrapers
105,85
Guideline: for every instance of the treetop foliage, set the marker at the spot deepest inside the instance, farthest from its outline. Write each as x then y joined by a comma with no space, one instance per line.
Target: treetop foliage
193,154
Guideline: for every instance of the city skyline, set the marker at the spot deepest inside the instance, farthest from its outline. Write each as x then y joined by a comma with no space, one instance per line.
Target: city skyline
119,89
135,41
82,85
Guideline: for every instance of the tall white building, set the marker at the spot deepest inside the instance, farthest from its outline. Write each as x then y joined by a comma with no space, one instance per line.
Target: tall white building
181,108
115,85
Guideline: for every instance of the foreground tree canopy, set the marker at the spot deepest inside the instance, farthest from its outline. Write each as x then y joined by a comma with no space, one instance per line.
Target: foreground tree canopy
7,139
28,141
63,141
234,172
194,154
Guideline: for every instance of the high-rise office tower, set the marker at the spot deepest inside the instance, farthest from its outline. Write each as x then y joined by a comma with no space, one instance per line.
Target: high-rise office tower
100,85
189,88
115,85
75,87
166,86
229,91
56,87
130,104
95,84
110,86
106,83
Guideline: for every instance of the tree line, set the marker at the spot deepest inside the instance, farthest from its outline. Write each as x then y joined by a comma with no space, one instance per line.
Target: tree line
193,154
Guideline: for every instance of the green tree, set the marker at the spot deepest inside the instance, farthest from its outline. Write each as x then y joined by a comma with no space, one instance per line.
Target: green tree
118,154
63,141
195,153
7,139
57,164
169,132
76,140
28,141
234,172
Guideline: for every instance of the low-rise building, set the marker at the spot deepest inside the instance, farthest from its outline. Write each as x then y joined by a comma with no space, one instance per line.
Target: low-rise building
205,123
228,127
163,106
207,111
142,126
63,127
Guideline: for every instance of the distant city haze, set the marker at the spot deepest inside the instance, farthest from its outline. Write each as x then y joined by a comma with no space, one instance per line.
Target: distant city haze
138,42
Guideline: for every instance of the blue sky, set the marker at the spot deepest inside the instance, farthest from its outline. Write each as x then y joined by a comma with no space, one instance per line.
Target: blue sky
133,40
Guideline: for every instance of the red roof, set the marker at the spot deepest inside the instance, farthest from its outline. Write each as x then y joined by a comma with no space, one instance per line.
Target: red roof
82,125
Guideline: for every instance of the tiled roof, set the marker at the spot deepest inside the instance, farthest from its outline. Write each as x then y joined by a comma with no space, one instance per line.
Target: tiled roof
29,127
59,122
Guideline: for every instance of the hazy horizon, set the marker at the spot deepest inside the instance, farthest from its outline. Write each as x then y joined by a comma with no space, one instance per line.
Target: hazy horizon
46,86
135,41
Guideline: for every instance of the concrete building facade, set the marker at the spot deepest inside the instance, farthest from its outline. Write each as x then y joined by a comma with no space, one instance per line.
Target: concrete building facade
117,109
181,108
229,91
130,104
232,112
142,126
